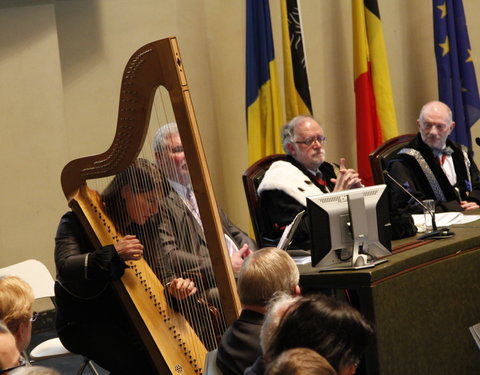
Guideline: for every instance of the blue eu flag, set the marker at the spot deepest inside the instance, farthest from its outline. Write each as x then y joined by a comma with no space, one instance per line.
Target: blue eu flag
457,84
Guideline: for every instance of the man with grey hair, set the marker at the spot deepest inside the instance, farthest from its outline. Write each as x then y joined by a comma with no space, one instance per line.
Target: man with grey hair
434,167
182,207
287,184
263,274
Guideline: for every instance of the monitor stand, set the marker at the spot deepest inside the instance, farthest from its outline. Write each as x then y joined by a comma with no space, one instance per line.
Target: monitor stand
358,261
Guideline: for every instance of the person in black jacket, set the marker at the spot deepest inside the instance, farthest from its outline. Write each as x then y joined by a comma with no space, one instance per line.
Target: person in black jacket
90,319
264,273
287,184
433,167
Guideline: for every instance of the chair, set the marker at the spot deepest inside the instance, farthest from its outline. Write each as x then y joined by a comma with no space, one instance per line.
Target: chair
251,180
41,281
211,363
384,152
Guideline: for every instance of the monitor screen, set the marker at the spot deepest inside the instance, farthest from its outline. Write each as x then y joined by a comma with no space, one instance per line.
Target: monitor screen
349,229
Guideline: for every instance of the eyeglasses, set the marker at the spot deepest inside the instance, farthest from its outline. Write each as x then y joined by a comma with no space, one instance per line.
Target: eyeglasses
439,127
21,362
309,141
34,316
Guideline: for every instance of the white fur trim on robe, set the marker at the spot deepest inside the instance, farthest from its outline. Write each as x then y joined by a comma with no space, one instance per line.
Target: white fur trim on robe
284,176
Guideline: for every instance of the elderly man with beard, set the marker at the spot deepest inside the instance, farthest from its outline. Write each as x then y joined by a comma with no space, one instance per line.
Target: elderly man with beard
287,184
433,167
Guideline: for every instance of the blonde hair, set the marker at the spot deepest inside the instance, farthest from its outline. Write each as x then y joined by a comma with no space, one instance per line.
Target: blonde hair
300,361
16,299
264,273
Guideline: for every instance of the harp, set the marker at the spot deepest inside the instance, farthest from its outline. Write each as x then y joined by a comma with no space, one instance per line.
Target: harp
170,340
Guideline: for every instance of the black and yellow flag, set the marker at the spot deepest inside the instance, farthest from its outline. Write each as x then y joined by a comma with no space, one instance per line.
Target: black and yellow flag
297,91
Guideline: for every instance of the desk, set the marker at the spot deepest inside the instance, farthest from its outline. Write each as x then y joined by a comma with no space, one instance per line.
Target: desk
422,302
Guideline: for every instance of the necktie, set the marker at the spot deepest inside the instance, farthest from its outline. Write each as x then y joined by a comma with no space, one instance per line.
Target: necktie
319,178
192,205
441,155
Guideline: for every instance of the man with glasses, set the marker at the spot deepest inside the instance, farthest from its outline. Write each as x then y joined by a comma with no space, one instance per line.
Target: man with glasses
287,184
434,167
16,299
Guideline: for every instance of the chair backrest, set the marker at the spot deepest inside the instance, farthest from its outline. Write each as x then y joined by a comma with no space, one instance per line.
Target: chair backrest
251,180
380,156
35,274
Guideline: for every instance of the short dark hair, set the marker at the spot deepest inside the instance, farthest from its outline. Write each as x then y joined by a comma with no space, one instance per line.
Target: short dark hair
332,328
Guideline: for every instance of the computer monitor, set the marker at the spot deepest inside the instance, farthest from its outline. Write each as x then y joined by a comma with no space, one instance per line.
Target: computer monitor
349,229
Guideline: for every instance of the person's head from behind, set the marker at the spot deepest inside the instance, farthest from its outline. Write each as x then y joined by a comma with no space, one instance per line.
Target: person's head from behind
304,139
16,300
300,361
435,124
9,354
332,328
34,370
264,273
134,194
168,149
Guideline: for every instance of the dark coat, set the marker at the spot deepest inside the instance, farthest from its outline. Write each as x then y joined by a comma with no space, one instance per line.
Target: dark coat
280,208
408,172
240,344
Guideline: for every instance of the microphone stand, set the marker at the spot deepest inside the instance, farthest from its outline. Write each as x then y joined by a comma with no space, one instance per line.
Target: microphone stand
435,233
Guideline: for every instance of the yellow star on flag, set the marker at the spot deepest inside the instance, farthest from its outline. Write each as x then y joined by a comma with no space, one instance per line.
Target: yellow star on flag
445,46
443,8
469,58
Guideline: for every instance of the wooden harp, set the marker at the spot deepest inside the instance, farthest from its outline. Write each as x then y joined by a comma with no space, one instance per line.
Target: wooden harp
169,339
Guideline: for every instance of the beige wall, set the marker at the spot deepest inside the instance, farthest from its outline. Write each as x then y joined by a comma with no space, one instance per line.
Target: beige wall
60,68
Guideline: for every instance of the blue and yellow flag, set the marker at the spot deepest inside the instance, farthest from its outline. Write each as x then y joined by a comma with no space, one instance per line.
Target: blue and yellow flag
264,109
457,84
297,90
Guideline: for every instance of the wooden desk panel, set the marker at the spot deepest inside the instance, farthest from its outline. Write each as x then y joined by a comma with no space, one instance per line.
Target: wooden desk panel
422,302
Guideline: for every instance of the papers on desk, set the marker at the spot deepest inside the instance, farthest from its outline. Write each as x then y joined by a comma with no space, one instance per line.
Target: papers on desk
446,219
302,259
475,331
289,231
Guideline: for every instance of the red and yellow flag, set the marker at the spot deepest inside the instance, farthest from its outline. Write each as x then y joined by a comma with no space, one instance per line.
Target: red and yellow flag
375,111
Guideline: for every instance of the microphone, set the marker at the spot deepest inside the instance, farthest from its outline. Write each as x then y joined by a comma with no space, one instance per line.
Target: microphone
436,234
477,140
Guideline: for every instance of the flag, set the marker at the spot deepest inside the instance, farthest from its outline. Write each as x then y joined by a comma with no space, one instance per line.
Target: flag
264,109
297,90
457,84
375,111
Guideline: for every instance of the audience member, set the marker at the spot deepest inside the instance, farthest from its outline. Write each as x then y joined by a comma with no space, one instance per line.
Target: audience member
35,370
434,167
264,273
300,361
10,357
287,184
332,328
181,207
16,299
90,319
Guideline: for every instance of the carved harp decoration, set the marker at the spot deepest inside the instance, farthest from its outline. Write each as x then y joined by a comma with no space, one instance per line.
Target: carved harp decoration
172,344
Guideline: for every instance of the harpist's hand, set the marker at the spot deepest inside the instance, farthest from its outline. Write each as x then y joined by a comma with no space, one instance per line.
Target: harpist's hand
129,248
182,288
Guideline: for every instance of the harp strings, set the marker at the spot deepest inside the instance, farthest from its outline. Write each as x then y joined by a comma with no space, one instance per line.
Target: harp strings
162,234
184,235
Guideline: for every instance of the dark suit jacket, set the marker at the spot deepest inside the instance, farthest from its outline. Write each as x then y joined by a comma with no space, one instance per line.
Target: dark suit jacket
240,345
